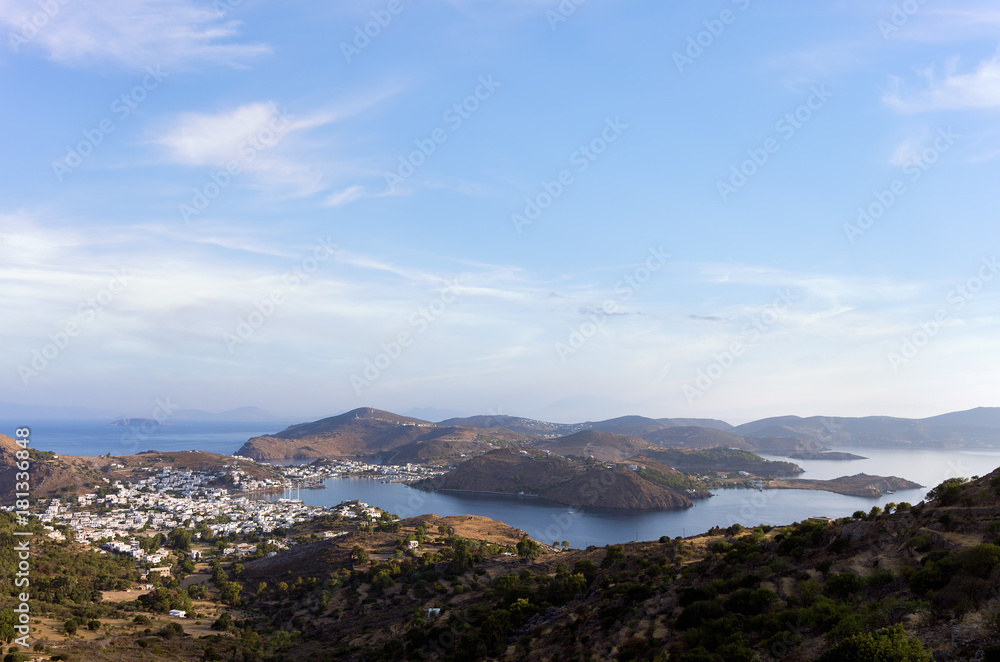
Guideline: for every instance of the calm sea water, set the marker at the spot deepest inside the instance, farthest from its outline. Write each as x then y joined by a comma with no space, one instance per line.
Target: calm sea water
99,437
542,520
550,522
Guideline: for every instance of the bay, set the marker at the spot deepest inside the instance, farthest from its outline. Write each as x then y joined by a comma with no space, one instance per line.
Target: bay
542,520
549,522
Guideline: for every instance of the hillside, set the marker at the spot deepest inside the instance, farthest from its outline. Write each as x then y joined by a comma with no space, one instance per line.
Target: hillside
974,429
859,485
900,584
696,437
379,434
916,583
711,460
573,482
602,446
370,433
66,475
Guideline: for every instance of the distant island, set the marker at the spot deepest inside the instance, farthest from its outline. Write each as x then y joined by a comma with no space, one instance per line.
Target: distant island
134,422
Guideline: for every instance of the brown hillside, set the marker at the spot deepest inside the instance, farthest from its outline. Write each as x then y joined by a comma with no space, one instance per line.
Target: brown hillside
697,437
572,482
369,432
603,446
617,488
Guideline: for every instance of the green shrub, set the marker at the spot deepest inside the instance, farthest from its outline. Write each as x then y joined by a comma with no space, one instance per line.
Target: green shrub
843,585
886,645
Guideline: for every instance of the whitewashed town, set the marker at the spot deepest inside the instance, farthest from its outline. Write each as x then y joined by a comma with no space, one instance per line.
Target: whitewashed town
168,499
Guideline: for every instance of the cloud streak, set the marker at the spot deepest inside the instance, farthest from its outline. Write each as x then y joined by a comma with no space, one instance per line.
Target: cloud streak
132,33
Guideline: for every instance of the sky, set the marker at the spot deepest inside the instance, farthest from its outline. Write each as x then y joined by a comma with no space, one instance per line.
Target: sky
568,210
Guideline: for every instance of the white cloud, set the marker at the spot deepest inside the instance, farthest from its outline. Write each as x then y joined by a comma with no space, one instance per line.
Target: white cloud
349,194
910,151
200,139
263,139
979,89
133,33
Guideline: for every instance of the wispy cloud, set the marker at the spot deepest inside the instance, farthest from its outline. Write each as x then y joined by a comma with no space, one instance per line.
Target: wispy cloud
133,33
910,150
349,194
978,89
269,142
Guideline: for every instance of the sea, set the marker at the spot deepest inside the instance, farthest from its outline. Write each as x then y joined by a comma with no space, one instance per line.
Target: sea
545,521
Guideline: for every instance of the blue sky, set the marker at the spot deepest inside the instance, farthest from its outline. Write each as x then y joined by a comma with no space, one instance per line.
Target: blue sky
558,210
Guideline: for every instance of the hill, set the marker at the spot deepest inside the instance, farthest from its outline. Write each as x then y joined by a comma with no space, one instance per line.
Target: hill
948,430
563,480
374,433
55,475
722,459
371,433
696,437
916,583
603,446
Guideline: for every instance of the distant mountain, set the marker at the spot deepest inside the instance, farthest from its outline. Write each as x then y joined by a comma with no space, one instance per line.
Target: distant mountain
882,431
980,417
239,414
696,437
637,426
372,432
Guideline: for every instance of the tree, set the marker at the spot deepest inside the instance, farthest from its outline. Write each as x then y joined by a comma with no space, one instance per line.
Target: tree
359,554
528,548
224,622
948,491
69,627
890,644
180,539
